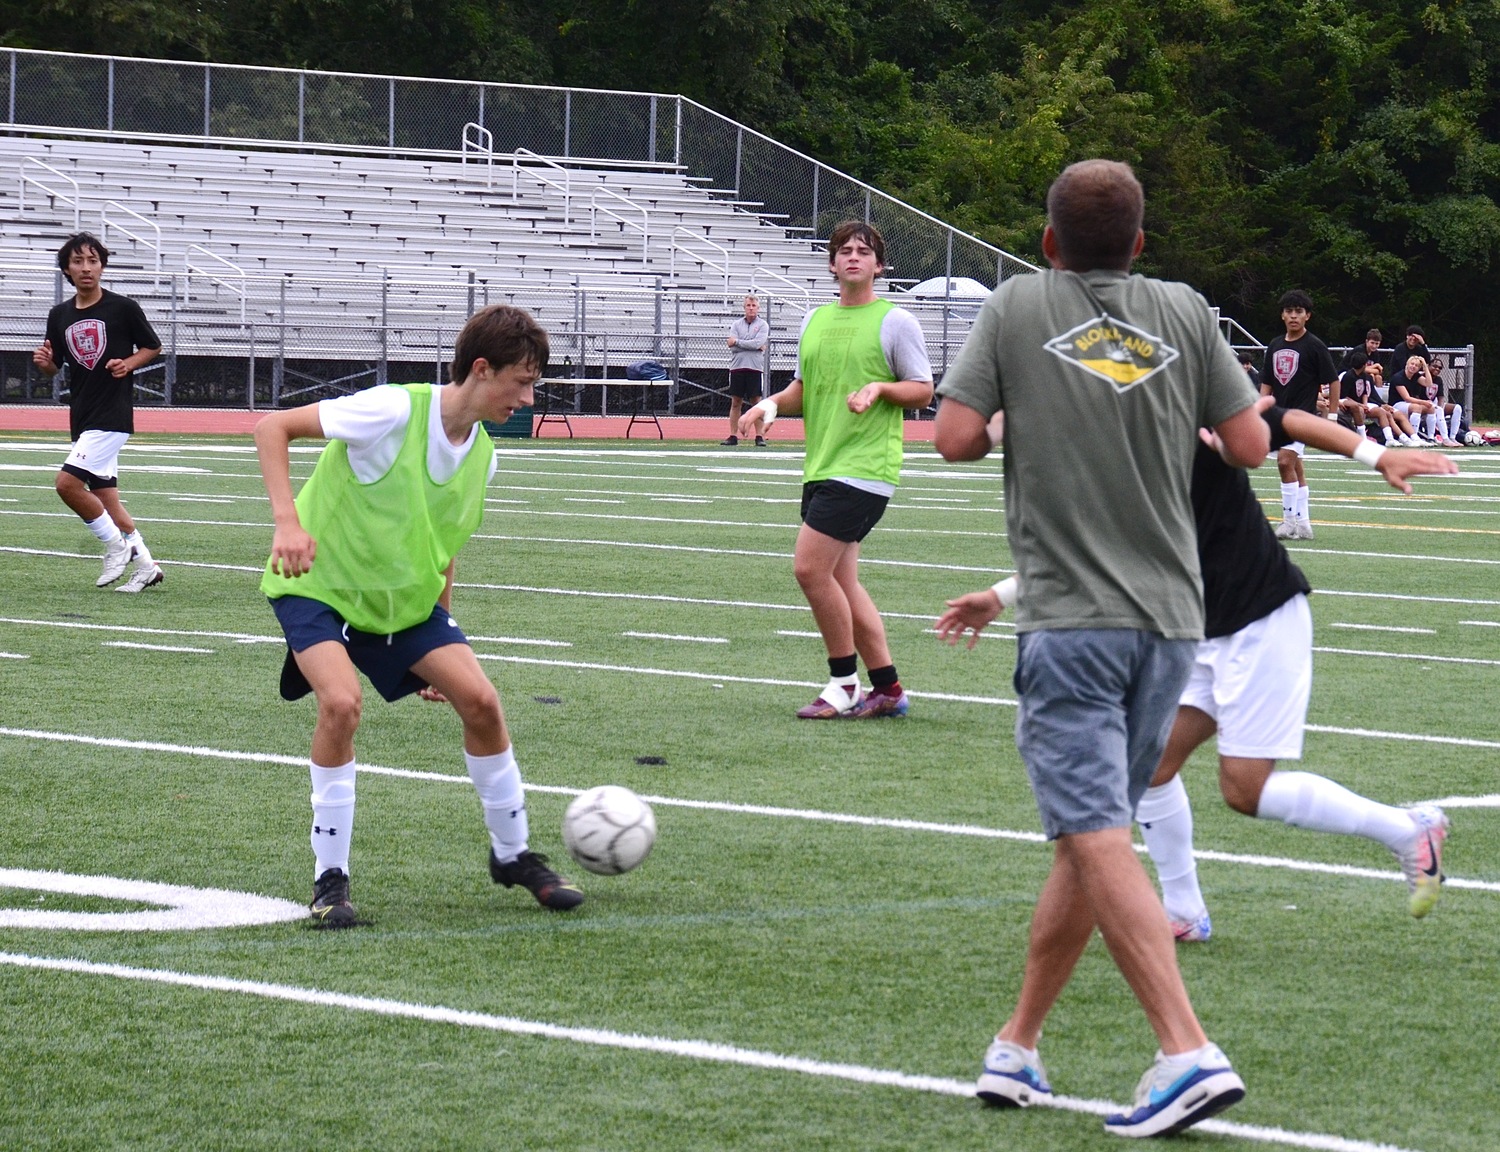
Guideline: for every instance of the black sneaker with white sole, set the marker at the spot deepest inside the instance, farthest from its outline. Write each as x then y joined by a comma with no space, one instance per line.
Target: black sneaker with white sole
530,871
330,903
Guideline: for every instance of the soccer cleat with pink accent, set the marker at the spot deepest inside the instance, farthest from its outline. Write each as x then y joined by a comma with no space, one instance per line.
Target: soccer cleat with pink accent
1193,931
877,704
1422,860
833,702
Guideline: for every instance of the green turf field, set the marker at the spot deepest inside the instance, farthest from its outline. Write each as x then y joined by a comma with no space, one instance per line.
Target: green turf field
833,920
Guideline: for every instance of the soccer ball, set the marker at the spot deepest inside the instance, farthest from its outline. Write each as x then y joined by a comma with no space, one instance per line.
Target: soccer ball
609,829
1474,439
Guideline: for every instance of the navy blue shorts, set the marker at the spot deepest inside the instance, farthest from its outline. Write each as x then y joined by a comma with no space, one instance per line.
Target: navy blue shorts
840,510
385,660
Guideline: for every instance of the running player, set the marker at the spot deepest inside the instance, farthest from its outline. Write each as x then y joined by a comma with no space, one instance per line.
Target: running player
1251,680
101,338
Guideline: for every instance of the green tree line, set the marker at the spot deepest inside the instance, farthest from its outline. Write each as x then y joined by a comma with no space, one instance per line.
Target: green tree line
1348,147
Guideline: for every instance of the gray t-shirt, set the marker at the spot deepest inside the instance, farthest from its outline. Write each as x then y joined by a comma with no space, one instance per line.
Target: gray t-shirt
1105,380
749,344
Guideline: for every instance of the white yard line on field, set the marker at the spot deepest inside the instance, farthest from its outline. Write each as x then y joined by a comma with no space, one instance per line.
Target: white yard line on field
1384,628
1407,656
806,814
155,647
704,1050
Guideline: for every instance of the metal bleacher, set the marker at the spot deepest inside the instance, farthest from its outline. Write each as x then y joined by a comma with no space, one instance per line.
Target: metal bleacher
317,250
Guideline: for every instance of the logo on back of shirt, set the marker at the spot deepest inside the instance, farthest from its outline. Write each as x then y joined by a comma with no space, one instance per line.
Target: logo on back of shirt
86,342
1284,364
1114,351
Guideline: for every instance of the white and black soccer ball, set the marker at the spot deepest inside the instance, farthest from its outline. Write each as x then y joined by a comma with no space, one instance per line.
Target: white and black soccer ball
609,829
1474,439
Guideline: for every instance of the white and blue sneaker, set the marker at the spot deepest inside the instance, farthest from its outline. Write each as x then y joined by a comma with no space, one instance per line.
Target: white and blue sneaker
1013,1077
1176,1094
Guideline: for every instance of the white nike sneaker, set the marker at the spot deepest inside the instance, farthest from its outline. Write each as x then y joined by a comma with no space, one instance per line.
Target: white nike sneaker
1422,860
116,559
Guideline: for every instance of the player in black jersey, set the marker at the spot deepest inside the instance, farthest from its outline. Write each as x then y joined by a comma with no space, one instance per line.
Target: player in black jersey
101,338
1251,680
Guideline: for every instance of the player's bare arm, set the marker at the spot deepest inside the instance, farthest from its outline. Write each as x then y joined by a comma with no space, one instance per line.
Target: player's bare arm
292,549
1244,439
758,418
902,393
961,433
1395,466
120,368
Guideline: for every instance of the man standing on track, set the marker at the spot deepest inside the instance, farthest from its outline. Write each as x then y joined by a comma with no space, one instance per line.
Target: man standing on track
747,342
101,338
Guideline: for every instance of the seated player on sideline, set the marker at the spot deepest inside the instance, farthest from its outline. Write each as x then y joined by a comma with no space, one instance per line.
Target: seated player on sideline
1251,680
1359,401
361,577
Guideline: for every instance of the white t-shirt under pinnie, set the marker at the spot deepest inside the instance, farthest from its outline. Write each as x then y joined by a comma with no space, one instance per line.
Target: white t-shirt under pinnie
373,424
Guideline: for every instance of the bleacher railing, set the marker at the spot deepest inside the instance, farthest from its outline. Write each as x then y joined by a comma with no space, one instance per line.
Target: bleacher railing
236,338
128,98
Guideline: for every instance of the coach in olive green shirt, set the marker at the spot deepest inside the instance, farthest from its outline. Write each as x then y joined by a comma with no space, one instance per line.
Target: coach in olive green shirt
1101,526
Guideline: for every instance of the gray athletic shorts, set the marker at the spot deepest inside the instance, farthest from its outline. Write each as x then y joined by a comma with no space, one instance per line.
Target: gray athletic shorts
1096,708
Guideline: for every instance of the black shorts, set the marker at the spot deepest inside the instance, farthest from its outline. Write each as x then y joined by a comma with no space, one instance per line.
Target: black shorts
746,383
839,510
385,660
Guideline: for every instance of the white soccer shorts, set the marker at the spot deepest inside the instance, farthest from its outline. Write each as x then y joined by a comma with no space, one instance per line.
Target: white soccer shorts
1256,682
98,452
1296,446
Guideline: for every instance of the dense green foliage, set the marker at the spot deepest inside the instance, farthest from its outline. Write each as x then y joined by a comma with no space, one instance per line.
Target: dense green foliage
1351,147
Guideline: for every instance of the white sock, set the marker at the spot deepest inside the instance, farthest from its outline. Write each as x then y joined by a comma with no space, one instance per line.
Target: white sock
1455,421
1166,820
1306,800
1429,423
103,529
1289,501
1390,437
503,797
333,816
1302,494
142,553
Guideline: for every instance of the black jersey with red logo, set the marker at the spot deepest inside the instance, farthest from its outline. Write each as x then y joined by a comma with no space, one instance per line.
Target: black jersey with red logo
84,340
1297,369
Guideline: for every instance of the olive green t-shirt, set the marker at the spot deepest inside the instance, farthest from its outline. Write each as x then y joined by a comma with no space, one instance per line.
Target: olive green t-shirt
1105,379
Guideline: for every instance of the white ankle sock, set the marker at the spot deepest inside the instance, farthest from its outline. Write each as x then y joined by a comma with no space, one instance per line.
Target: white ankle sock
1166,820
498,781
333,816
1306,800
